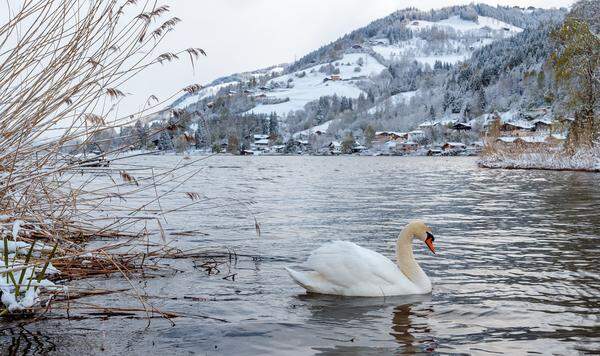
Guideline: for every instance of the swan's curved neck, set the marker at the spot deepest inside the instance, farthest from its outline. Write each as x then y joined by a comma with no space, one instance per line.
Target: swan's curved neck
407,263
404,255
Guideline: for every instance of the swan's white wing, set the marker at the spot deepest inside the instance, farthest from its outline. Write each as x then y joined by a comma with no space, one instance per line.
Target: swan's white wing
348,265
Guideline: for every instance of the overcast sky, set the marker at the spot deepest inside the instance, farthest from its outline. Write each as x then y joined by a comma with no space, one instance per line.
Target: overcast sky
243,35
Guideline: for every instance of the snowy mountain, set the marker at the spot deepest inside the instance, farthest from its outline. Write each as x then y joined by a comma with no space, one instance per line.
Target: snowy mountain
394,73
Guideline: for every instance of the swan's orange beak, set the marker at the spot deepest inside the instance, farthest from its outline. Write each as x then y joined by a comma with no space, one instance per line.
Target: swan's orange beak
429,242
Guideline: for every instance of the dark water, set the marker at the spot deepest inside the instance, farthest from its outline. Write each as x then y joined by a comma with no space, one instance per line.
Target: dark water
517,269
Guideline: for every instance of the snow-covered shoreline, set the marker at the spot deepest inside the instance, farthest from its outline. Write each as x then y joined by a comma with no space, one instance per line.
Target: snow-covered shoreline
586,161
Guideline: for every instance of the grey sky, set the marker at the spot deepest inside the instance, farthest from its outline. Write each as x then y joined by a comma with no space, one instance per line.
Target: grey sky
243,35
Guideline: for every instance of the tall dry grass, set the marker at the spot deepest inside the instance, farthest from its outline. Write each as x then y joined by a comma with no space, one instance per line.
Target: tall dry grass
62,64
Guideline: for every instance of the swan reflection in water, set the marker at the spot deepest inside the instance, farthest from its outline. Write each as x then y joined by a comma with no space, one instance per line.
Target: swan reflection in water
349,317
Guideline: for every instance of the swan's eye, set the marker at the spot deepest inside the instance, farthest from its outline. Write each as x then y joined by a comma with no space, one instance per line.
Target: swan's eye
430,236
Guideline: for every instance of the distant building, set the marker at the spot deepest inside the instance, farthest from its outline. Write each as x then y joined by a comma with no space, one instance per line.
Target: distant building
516,126
261,143
461,126
335,147
357,148
416,135
406,147
454,146
384,136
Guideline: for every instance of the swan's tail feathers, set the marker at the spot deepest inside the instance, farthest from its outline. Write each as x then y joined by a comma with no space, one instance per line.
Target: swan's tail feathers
304,279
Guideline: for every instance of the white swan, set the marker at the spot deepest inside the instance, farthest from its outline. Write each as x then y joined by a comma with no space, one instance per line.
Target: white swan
344,268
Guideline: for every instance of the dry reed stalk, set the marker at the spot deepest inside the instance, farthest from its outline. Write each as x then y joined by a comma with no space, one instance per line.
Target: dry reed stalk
62,63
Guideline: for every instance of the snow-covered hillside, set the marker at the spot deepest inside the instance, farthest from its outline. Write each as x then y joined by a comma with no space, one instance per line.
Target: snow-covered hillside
469,36
315,129
448,41
304,86
461,25
202,94
393,100
396,72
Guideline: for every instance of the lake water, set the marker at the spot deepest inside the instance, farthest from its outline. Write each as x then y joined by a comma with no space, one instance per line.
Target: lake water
517,269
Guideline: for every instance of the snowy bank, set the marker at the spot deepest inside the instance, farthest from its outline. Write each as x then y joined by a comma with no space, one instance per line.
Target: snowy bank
21,280
588,161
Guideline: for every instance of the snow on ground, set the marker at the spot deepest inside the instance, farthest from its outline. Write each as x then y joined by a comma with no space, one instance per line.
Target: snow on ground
446,58
201,94
323,128
311,87
544,159
454,51
27,274
458,24
393,101
417,49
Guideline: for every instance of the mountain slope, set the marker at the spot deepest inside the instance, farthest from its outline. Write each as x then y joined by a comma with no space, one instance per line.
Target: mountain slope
394,72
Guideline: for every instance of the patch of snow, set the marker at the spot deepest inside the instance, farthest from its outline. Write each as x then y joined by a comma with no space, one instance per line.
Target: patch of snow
454,51
16,228
28,274
202,94
393,100
323,128
458,24
311,87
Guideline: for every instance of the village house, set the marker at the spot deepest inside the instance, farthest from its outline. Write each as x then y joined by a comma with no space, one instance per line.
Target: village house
303,145
454,147
406,147
390,147
416,135
380,41
475,148
278,148
517,128
461,126
335,147
384,136
358,148
434,151
261,143
532,141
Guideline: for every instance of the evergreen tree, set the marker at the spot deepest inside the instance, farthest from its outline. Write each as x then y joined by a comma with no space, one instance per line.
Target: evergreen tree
141,135
273,125
165,142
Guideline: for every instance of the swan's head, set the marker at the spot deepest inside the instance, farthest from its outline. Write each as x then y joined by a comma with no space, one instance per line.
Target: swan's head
422,232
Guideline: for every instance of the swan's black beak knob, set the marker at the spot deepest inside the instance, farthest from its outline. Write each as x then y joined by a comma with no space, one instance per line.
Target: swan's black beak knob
429,242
